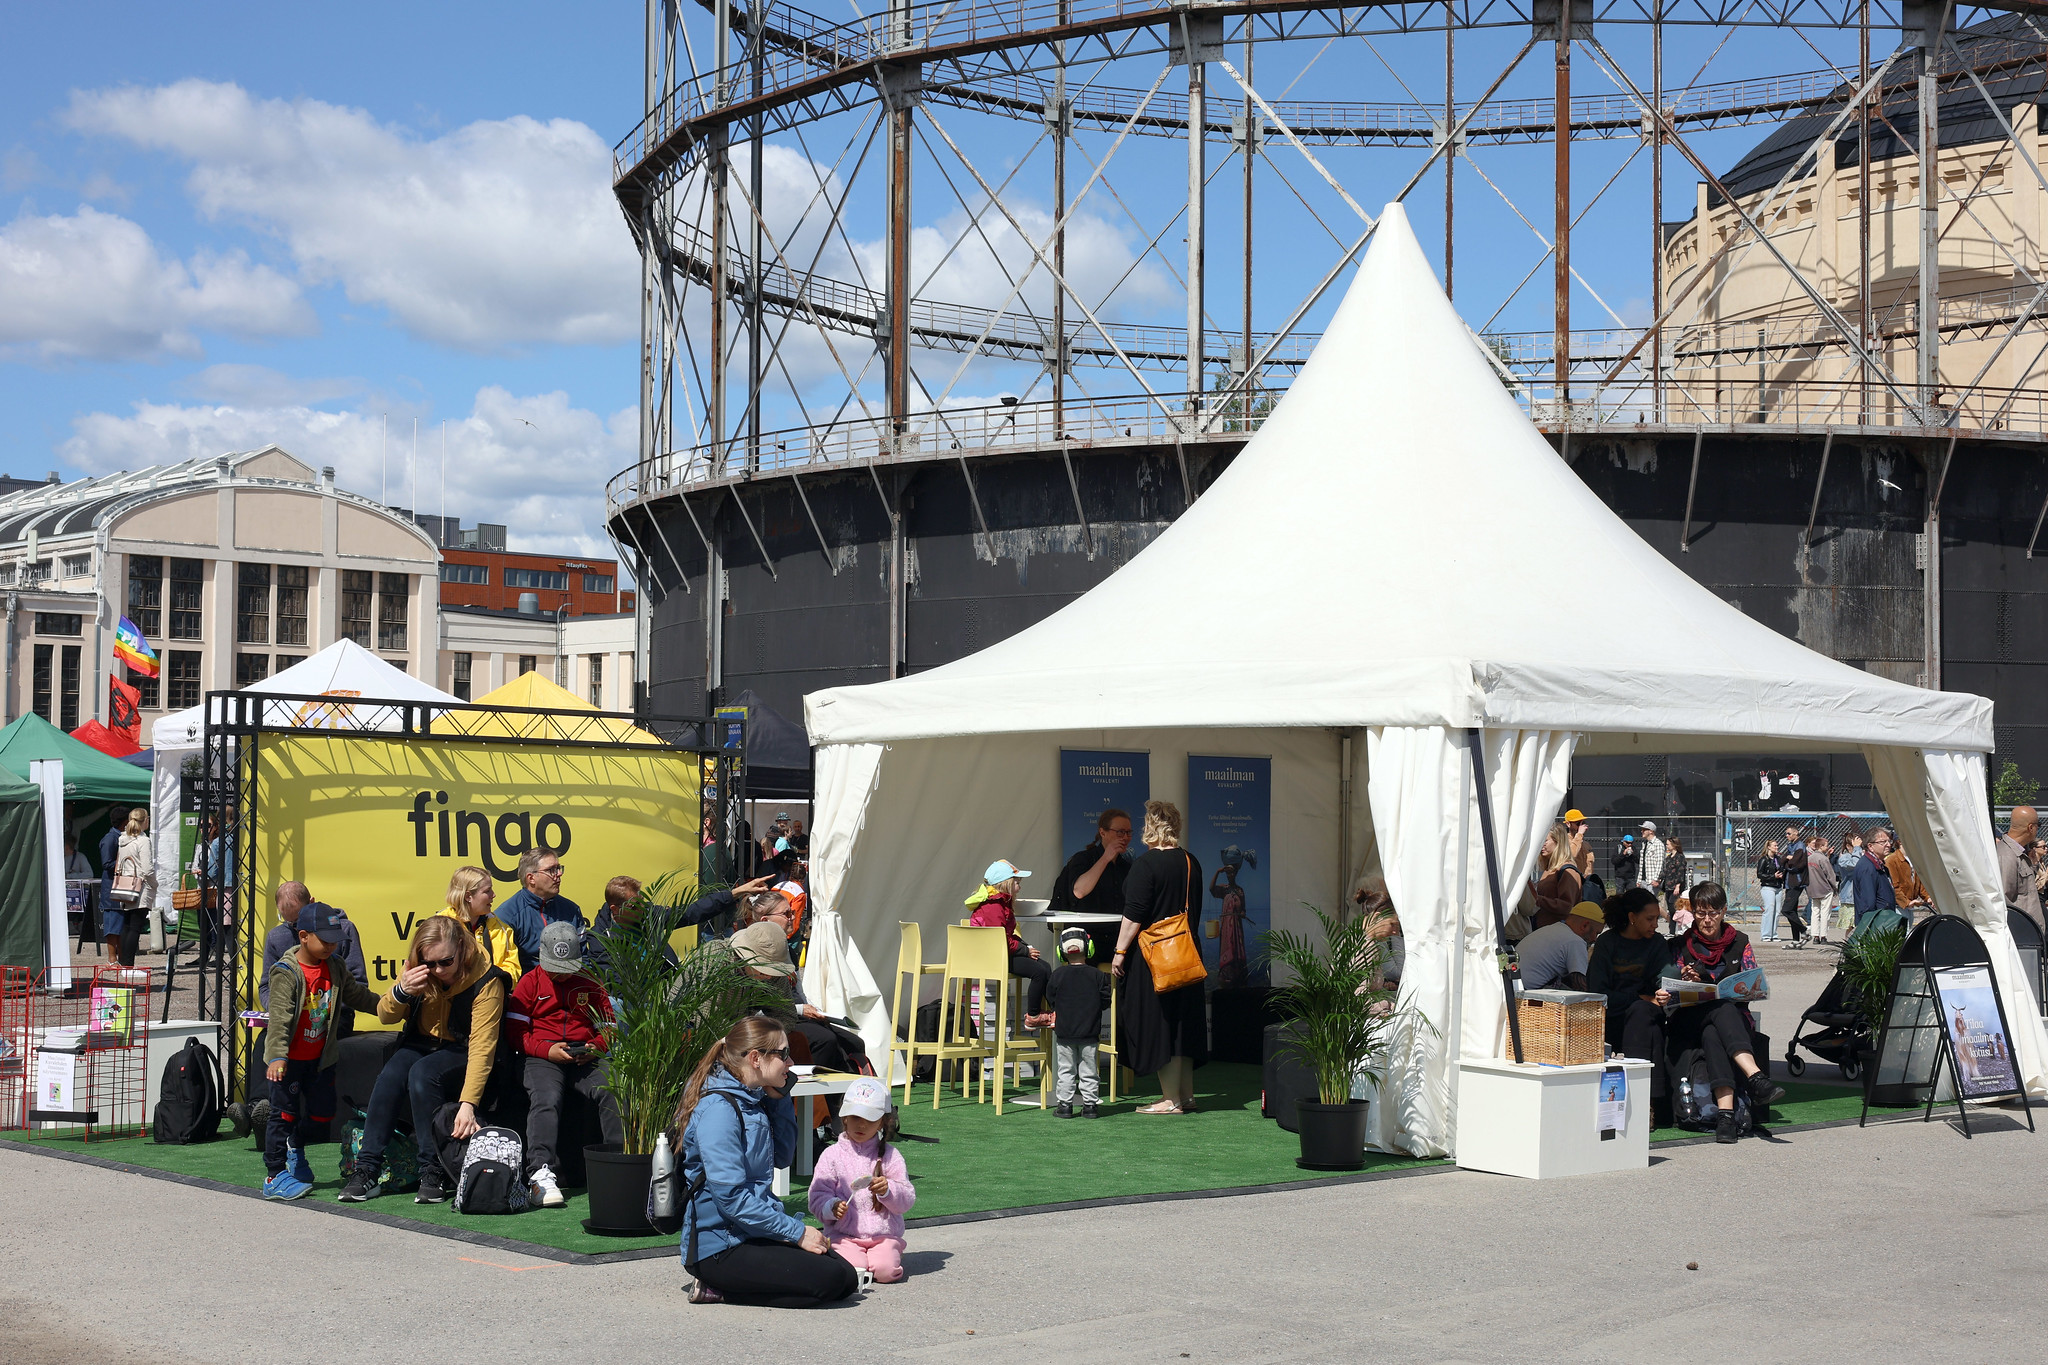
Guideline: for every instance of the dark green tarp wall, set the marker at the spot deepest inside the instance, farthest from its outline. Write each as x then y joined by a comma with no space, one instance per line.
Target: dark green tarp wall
21,874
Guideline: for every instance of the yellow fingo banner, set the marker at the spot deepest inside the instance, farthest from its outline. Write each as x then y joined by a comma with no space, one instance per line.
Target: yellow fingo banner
377,826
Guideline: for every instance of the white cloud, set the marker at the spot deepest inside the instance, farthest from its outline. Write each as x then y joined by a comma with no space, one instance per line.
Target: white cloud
261,386
535,463
500,233
94,286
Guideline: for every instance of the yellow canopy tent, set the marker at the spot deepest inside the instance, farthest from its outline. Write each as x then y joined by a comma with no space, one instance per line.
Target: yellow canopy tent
534,691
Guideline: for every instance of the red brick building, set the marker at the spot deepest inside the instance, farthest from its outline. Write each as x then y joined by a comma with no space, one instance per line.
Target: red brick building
496,578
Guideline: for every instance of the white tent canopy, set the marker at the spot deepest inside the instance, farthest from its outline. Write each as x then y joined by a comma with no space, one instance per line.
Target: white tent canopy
1384,556
343,669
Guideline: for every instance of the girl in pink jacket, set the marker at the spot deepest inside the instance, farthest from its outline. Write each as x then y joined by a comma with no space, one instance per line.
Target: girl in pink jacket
861,1189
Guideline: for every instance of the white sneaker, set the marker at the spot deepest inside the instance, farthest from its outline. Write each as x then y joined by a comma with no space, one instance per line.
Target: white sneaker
544,1191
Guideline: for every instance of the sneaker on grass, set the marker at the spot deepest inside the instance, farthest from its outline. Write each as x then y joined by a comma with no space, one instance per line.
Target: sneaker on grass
273,1186
544,1190
362,1185
433,1189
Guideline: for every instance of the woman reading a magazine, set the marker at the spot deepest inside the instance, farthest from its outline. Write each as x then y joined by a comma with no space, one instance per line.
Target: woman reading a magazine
1712,952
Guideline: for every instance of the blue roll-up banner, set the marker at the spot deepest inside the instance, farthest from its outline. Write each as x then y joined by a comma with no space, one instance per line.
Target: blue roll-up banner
1230,831
1092,781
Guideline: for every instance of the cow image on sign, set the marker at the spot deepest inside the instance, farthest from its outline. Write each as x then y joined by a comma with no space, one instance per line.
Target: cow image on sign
376,826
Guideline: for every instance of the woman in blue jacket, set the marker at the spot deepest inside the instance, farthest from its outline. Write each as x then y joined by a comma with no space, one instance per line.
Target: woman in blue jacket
737,1126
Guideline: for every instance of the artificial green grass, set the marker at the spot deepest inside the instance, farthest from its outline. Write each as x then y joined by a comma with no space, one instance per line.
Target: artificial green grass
962,1158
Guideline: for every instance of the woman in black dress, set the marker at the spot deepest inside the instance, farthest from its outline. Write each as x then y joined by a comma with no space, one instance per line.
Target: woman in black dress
1163,1033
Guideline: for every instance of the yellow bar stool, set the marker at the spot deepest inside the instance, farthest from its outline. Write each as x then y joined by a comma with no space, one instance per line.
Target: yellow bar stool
976,957
909,963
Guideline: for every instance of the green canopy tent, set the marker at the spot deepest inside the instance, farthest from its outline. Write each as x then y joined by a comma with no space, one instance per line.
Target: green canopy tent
89,775
21,873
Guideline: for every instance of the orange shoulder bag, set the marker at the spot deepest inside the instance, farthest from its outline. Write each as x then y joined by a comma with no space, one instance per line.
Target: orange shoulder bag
1169,945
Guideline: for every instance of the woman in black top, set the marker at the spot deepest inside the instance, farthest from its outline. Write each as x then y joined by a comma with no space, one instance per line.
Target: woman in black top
1093,879
1626,965
1163,1033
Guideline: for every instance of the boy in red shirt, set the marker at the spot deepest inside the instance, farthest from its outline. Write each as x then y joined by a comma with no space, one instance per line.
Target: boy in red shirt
305,988
552,1019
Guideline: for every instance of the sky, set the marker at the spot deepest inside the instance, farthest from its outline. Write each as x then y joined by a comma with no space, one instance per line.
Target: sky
344,229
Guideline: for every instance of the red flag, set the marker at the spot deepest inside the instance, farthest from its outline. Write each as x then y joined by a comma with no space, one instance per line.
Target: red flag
124,714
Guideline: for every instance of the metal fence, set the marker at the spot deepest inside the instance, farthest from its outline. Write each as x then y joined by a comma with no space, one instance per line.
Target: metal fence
1724,848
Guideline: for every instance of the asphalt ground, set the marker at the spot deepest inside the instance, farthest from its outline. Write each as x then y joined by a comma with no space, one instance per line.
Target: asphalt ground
1824,1244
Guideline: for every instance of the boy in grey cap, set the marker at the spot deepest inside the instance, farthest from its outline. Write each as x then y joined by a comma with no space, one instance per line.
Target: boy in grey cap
553,1019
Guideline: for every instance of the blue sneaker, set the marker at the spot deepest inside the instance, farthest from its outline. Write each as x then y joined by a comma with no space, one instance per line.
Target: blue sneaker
288,1186
295,1161
273,1187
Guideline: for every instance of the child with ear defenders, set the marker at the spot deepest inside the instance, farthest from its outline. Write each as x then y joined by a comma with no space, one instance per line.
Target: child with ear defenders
1078,994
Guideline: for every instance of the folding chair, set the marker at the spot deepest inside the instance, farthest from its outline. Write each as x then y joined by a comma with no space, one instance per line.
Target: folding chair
909,962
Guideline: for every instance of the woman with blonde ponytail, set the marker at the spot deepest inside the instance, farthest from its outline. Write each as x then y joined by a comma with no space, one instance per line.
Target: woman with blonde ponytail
733,1127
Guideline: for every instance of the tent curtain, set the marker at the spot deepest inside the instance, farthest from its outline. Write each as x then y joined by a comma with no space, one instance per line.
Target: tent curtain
1413,785
1937,799
836,978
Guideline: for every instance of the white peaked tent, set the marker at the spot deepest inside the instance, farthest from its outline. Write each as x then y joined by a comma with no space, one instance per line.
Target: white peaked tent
1383,560
343,669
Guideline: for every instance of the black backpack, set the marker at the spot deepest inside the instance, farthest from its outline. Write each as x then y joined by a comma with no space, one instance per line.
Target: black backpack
188,1103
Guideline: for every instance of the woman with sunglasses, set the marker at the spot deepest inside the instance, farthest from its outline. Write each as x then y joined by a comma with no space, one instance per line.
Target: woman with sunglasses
450,1001
734,1128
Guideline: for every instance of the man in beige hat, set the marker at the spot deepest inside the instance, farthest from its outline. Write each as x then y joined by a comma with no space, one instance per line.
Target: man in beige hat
764,952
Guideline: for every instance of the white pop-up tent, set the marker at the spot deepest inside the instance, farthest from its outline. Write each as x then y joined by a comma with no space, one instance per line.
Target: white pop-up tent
1384,558
343,669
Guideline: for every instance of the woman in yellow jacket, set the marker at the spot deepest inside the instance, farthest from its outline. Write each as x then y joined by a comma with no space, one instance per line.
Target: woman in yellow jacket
470,894
450,1000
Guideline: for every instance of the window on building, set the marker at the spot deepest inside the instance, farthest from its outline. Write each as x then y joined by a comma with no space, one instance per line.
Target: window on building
181,667
358,587
252,604
77,566
553,580
477,574
67,688
251,668
597,681
6,575
528,663
284,661
147,690
394,594
146,594
459,684
32,574
291,604
59,623
188,589
598,582
39,681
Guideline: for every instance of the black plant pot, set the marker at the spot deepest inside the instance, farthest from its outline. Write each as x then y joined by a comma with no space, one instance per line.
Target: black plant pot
1332,1135
618,1191
1893,1095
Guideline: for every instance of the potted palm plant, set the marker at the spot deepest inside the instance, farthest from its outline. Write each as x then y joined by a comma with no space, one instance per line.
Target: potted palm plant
665,1015
1340,1015
1870,965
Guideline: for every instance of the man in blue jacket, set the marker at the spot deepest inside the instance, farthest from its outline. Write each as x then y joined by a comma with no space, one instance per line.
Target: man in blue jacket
538,903
1872,883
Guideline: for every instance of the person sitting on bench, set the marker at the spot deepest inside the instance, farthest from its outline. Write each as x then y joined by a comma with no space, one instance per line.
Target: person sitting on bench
1714,950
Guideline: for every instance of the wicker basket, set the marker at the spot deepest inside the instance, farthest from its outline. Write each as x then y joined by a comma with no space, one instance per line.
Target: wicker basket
1564,1028
185,900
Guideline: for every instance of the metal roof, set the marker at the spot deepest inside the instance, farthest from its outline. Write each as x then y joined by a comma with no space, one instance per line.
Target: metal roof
1963,119
57,510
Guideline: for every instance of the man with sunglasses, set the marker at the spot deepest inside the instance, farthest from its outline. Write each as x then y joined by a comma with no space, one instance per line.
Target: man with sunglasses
537,903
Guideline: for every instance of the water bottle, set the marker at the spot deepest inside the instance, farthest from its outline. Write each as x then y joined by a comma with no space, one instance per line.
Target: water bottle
663,1199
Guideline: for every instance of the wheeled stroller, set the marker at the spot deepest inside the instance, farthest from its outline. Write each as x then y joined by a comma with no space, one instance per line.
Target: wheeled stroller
1837,1031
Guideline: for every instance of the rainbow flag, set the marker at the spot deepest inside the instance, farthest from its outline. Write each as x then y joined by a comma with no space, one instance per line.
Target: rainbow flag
131,649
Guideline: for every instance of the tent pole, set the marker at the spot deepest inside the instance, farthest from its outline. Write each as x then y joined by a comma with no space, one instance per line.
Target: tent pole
1343,818
1500,928
1458,951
